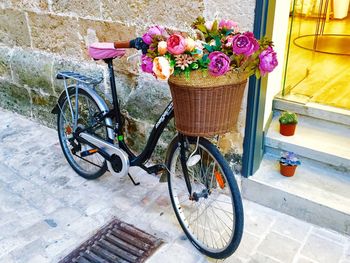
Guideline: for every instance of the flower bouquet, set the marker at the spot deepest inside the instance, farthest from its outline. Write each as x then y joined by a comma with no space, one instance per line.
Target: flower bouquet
207,70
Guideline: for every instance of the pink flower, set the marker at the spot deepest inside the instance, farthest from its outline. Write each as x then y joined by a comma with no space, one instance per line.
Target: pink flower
153,31
268,61
176,44
229,41
245,44
229,25
146,64
162,68
219,63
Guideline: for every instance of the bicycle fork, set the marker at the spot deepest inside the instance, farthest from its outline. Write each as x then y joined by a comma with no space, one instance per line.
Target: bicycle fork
183,160
195,196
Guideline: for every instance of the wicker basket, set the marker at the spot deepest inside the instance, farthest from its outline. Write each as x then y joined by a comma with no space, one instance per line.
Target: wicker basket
207,105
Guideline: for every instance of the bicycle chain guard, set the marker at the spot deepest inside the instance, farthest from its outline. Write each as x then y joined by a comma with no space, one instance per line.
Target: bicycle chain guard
123,167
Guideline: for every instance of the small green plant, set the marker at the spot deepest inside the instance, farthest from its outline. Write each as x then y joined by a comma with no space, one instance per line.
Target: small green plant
288,117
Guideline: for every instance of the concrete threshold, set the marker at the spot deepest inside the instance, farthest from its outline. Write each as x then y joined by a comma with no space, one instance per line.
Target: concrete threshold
314,110
315,194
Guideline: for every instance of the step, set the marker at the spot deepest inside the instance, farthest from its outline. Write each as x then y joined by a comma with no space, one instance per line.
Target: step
314,110
315,139
315,194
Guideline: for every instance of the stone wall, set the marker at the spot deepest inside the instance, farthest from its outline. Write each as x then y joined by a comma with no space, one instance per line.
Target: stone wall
40,37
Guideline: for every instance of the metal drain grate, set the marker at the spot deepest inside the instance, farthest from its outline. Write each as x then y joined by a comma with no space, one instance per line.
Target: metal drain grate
116,242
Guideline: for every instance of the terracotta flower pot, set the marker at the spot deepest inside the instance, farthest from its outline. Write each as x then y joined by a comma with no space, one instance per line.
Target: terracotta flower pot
287,170
287,129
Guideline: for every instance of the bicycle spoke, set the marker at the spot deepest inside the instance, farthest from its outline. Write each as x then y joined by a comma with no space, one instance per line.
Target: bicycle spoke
90,166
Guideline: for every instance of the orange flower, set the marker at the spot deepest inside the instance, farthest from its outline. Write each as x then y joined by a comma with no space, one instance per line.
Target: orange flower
161,68
162,48
190,44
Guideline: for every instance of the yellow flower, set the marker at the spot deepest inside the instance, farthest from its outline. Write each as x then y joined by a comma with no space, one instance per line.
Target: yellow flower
161,68
162,48
190,44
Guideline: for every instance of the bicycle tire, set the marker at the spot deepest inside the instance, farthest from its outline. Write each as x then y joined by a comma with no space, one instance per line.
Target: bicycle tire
71,157
206,150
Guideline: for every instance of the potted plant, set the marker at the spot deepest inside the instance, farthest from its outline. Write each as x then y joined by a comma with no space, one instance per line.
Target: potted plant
288,163
288,121
207,69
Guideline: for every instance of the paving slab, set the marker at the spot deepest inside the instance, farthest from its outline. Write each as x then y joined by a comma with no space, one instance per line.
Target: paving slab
46,210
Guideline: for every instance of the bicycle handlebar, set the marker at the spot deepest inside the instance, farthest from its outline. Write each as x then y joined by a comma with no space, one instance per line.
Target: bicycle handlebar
134,43
123,44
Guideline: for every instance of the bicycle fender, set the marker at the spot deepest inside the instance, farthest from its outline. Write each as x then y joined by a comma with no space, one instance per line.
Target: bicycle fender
99,101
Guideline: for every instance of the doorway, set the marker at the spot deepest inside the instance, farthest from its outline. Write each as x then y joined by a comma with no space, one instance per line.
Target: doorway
317,64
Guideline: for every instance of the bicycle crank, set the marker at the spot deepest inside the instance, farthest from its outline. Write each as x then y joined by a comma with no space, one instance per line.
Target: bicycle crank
118,163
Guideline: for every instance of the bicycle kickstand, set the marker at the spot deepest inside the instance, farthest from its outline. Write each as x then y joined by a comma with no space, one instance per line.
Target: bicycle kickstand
132,180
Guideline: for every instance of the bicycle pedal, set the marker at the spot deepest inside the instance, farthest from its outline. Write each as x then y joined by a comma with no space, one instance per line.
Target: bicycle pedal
88,152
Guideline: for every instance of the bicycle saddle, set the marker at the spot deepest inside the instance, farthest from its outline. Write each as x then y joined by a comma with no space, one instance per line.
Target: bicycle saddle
104,50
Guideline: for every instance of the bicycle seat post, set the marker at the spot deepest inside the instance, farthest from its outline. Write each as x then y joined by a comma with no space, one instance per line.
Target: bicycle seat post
114,94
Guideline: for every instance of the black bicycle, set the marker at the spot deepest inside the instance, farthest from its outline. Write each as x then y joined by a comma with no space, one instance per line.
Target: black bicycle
202,187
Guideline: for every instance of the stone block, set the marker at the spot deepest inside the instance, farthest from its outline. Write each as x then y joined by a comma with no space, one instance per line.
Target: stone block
32,69
33,5
15,98
279,247
153,12
77,7
64,64
291,227
239,11
5,4
31,252
149,99
322,250
55,33
136,133
103,31
246,248
13,28
5,57
42,104
261,258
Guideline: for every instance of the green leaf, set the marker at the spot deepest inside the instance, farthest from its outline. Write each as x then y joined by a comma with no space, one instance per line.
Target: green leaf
215,27
217,43
187,73
209,48
202,28
228,32
195,52
172,63
257,74
194,65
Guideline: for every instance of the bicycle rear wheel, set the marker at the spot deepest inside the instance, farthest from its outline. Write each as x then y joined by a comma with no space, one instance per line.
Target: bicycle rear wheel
214,222
89,166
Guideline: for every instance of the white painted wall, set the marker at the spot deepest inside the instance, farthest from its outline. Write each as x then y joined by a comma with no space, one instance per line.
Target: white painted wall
280,30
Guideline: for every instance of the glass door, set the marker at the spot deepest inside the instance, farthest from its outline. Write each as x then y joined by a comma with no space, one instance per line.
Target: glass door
318,50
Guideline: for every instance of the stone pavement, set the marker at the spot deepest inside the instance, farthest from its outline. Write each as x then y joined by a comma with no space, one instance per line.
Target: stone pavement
46,210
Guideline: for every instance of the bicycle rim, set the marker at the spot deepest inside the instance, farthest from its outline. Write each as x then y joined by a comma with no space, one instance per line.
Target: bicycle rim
209,222
91,166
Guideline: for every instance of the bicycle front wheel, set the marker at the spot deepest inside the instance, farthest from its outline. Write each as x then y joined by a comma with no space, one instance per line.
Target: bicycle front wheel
214,221
89,166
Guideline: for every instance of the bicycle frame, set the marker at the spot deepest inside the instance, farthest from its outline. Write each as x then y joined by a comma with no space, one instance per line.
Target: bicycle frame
157,130
114,132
